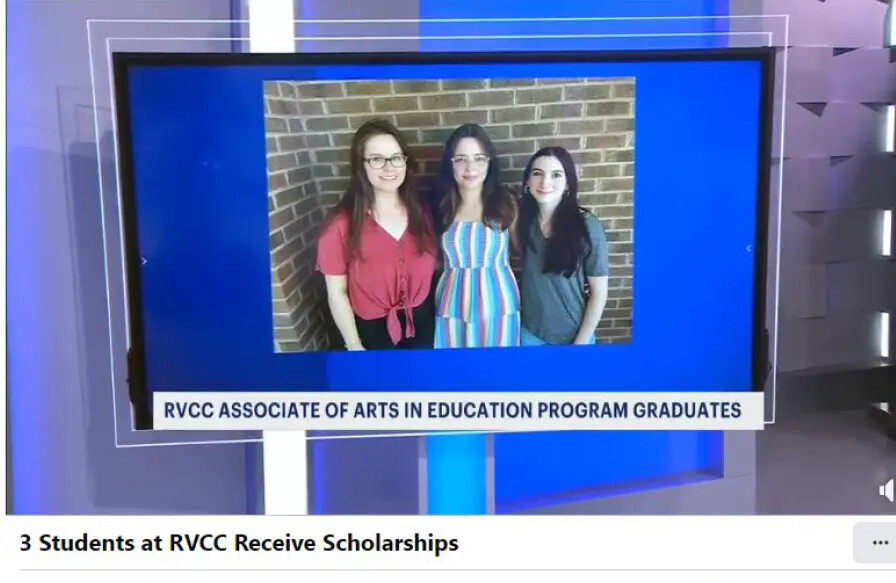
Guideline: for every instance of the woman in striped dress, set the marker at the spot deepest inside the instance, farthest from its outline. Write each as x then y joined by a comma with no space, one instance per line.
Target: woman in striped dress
477,298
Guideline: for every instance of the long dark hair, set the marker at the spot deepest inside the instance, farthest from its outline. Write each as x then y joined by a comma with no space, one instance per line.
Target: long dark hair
569,241
358,200
498,205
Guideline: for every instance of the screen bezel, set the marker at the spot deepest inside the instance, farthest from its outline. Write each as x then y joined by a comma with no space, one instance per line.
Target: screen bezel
139,392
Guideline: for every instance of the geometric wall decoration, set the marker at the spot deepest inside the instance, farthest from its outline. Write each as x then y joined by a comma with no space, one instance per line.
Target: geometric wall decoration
836,283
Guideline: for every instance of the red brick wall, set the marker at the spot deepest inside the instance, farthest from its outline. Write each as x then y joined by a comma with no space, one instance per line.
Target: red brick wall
312,125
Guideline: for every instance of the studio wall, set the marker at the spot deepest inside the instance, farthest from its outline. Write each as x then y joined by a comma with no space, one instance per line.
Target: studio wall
62,434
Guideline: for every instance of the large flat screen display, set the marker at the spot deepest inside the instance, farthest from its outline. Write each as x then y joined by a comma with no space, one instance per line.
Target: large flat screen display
445,221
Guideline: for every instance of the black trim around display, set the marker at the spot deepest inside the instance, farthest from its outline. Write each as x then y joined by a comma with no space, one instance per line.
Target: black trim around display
123,62
762,349
136,356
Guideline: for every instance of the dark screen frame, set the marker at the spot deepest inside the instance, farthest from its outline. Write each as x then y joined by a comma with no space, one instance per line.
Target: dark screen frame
138,391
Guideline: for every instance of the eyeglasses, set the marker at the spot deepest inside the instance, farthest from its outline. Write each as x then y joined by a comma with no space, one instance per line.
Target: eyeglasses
477,160
377,162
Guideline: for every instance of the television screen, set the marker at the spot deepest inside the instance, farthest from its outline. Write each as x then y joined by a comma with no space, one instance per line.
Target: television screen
445,221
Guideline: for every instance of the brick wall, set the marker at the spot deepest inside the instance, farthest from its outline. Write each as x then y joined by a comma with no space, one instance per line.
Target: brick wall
295,214
592,118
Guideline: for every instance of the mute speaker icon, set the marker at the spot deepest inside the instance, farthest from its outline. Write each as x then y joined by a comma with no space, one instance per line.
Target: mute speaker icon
886,490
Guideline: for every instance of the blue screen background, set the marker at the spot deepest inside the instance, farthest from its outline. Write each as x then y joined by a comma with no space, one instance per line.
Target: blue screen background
201,202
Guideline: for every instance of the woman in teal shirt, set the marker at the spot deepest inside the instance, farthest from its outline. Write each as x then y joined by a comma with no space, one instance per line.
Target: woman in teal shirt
565,260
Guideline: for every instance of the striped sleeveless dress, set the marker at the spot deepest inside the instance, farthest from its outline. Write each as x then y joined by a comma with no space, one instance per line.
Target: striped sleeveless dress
477,297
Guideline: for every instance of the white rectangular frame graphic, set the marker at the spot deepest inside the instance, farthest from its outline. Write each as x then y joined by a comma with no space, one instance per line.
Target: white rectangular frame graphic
198,440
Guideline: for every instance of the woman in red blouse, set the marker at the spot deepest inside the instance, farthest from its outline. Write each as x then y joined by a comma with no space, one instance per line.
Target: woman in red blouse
377,250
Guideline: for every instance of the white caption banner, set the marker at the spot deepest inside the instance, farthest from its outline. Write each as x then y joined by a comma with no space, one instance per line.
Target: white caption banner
458,411
256,546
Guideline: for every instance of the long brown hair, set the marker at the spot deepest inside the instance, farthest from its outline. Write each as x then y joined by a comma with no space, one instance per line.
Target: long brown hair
358,200
498,204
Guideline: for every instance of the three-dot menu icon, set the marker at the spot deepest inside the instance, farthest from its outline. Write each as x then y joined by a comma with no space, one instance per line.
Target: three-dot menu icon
874,542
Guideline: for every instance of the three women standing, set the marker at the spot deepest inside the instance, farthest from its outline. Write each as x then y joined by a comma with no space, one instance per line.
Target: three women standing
378,250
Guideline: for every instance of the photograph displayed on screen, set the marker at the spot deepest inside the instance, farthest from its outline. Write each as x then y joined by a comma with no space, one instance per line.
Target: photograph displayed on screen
446,213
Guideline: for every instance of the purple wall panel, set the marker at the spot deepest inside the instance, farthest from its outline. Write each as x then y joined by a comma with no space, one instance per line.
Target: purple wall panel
62,440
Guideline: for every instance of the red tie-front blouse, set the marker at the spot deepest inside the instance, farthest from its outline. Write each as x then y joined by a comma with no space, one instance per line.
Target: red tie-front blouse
386,276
